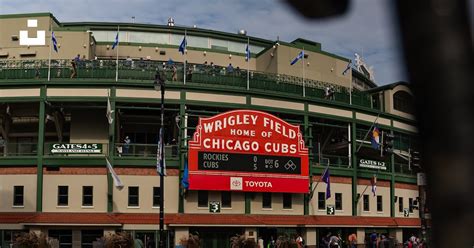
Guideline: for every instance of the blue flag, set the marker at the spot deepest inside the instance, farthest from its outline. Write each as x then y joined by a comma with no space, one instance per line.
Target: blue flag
116,41
347,68
325,178
375,138
55,42
185,179
182,46
247,53
300,56
160,165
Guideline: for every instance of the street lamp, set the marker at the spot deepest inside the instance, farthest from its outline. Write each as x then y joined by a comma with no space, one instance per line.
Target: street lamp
159,83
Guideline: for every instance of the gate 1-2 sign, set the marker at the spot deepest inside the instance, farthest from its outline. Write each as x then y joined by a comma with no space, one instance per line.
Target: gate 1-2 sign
247,150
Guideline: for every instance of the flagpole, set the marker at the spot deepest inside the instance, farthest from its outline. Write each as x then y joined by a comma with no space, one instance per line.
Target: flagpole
162,167
116,61
248,62
304,90
350,90
185,48
50,47
365,137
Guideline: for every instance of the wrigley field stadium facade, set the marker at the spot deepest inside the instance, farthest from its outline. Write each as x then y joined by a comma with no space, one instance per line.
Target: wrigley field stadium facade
246,147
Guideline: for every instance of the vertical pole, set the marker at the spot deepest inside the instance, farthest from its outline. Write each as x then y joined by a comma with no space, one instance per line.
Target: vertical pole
304,85
248,63
50,47
116,61
354,168
40,153
350,92
349,137
111,149
185,52
162,184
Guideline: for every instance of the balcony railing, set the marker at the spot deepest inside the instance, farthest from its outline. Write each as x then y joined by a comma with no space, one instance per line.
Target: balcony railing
333,161
18,149
196,74
144,150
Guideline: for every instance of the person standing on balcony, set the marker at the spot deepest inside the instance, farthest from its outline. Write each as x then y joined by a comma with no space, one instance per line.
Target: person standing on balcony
175,73
230,69
126,145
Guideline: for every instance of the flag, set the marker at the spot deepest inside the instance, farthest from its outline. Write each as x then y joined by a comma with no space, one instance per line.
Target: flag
159,163
185,179
300,56
55,42
182,46
325,178
118,184
247,53
373,182
375,138
347,68
110,112
116,41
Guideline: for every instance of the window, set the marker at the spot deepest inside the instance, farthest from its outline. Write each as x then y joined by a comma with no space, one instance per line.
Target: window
203,198
87,196
338,201
156,196
400,204
287,201
226,198
63,195
366,203
64,237
403,101
18,192
321,200
266,200
133,196
379,203
410,204
89,236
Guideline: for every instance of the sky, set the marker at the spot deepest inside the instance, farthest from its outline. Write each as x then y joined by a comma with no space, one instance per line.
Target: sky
368,28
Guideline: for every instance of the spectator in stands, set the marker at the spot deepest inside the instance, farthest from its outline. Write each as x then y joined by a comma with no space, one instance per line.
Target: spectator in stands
189,74
237,71
213,69
230,69
175,73
126,145
74,62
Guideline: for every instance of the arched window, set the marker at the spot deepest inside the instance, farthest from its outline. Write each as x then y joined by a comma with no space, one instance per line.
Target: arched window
403,101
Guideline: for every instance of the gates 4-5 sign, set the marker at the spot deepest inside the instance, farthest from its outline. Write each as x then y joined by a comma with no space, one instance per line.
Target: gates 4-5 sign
214,207
406,212
330,210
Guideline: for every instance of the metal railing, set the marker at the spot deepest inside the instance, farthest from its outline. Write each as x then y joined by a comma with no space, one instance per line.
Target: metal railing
402,168
18,149
332,160
144,150
196,74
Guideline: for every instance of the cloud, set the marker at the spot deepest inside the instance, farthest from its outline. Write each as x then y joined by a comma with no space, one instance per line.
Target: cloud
368,27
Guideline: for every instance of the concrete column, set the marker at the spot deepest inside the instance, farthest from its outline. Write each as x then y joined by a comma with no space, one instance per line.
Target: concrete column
251,233
397,234
360,236
76,238
180,233
311,237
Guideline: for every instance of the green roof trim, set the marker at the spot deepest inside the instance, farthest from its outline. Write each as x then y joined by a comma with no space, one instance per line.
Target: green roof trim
388,87
40,14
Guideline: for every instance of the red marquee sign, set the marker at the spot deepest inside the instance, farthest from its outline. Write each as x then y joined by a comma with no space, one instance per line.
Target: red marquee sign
247,150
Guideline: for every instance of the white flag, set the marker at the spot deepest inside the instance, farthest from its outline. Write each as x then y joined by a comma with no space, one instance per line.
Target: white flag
110,112
158,156
118,184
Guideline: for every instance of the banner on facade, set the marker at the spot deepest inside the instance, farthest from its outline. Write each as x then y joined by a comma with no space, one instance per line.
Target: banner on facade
247,150
372,164
76,148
